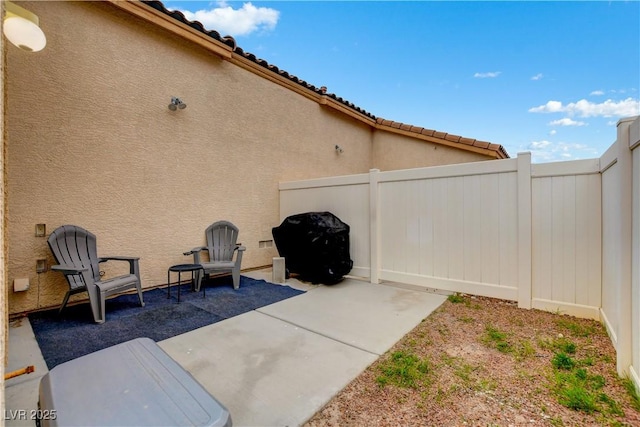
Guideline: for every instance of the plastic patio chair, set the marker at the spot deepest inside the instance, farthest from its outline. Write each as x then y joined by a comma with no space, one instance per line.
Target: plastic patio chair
74,249
222,244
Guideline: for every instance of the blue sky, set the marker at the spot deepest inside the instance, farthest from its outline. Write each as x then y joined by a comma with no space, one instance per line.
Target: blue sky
552,78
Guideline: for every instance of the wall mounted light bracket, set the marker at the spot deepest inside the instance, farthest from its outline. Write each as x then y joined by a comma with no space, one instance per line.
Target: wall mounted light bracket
22,28
176,103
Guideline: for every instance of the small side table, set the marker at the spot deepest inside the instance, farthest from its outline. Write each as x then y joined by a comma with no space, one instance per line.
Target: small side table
182,268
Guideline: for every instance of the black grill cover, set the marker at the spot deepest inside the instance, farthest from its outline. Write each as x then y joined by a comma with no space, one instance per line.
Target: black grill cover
315,245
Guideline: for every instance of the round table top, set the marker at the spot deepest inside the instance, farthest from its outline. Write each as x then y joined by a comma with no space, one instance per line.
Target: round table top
185,267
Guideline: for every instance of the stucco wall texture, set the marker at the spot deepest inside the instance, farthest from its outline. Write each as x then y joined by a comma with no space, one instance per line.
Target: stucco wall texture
91,142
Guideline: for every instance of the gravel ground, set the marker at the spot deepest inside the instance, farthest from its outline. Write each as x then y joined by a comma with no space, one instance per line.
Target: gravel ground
484,362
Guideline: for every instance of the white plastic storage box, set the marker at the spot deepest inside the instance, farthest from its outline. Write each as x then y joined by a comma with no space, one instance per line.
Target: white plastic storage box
130,384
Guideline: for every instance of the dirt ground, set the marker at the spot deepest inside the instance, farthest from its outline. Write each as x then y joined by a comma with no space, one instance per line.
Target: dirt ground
484,362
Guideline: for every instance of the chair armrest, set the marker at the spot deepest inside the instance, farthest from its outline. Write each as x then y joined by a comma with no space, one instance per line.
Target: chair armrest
68,269
194,250
134,267
117,258
239,247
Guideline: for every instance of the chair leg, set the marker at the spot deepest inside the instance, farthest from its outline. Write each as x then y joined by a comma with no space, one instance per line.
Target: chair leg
65,301
103,300
139,287
199,276
236,278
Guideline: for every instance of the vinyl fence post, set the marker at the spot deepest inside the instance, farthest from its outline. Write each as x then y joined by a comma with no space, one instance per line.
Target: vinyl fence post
374,230
623,347
524,230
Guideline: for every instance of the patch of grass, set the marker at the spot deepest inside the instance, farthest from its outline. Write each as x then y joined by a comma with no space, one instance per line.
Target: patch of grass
497,339
578,399
558,344
494,334
440,395
456,298
503,347
524,350
633,392
403,369
562,361
464,371
567,347
466,319
557,422
487,385
613,406
579,390
577,329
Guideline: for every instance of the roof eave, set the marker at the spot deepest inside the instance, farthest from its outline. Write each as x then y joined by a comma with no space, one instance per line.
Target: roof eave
169,23
495,151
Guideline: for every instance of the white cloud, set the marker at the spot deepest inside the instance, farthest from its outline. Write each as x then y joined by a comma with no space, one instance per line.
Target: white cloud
553,132
235,22
537,77
566,122
549,107
539,145
584,108
547,151
597,93
487,75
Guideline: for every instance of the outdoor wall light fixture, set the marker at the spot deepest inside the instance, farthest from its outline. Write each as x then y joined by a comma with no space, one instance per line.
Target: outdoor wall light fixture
176,103
22,29
339,149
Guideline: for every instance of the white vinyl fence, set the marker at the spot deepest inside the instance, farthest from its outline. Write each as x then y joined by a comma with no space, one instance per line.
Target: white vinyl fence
559,236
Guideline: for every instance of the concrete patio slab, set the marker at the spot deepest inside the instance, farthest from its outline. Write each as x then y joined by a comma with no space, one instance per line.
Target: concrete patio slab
367,316
265,371
280,364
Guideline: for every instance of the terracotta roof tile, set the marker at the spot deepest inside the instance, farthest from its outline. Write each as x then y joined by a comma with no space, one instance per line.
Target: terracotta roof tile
441,135
230,41
499,149
454,138
176,14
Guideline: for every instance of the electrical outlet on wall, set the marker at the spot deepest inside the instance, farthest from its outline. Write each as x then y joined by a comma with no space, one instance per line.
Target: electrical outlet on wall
41,230
265,243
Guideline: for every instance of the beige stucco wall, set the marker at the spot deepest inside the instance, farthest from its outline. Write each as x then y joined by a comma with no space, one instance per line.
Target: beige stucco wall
4,312
392,151
91,142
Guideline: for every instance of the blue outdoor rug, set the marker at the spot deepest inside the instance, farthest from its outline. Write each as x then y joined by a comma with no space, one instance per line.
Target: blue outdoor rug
73,333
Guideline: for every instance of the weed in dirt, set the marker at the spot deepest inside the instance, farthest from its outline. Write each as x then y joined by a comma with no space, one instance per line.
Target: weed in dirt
579,390
464,371
562,361
559,344
523,350
577,329
403,369
633,392
556,422
494,338
456,298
